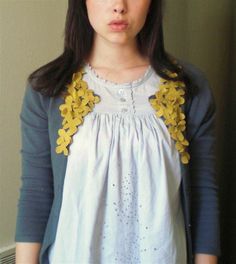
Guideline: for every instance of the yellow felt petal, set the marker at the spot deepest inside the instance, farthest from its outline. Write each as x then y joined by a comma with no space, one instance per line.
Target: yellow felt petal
97,99
182,122
81,92
185,142
185,157
173,75
184,160
72,130
180,136
179,146
160,112
85,101
62,148
59,140
61,132
83,85
77,76
173,135
181,101
90,104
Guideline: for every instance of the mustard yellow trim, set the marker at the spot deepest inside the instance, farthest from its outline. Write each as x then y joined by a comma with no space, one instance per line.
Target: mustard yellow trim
79,101
167,101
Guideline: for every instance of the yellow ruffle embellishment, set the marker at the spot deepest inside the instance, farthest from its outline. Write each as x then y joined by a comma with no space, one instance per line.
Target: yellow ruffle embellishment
167,103
79,101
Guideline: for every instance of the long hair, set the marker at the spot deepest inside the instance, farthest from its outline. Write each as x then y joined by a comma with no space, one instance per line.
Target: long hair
51,79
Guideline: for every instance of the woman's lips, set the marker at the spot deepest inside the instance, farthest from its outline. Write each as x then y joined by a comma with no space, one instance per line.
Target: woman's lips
118,26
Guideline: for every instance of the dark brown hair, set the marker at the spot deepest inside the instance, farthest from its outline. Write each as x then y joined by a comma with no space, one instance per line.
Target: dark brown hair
51,79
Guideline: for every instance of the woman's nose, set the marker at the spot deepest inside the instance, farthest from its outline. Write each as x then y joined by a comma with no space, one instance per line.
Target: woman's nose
119,7
119,10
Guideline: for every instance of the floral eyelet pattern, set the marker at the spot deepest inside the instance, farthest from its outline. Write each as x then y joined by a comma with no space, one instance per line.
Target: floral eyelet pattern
167,103
79,101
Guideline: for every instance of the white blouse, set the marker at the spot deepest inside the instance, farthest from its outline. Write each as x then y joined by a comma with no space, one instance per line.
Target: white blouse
121,200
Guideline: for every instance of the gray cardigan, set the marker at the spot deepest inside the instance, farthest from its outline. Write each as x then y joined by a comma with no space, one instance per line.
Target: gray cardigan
43,171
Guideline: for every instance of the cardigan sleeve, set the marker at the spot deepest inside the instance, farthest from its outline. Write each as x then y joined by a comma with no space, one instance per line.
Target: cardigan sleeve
36,192
202,168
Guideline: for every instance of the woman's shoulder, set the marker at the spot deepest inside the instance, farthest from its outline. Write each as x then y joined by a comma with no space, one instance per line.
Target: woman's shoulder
198,79
202,92
191,69
201,107
34,101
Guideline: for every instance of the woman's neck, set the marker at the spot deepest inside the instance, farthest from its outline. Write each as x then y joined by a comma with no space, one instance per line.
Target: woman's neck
115,56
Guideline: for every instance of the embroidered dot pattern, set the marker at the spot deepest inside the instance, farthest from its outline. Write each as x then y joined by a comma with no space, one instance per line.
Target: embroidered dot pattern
126,210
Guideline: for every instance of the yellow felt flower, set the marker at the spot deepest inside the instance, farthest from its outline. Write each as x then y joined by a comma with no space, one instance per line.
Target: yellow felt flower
167,103
72,123
79,101
185,157
62,142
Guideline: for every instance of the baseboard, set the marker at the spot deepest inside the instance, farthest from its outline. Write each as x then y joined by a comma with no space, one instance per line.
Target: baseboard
7,255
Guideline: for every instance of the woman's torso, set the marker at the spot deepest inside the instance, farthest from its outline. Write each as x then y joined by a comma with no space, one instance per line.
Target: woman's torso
121,199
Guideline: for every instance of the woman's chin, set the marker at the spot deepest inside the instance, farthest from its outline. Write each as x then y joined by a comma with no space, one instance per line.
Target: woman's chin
120,40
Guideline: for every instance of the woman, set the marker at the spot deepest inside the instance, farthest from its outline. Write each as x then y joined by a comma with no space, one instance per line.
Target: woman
116,137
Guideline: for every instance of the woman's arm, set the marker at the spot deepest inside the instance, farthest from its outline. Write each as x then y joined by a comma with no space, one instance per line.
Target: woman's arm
205,259
36,192
203,182
27,253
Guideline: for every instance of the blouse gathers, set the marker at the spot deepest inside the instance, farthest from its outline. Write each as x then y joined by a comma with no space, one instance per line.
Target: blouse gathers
121,200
